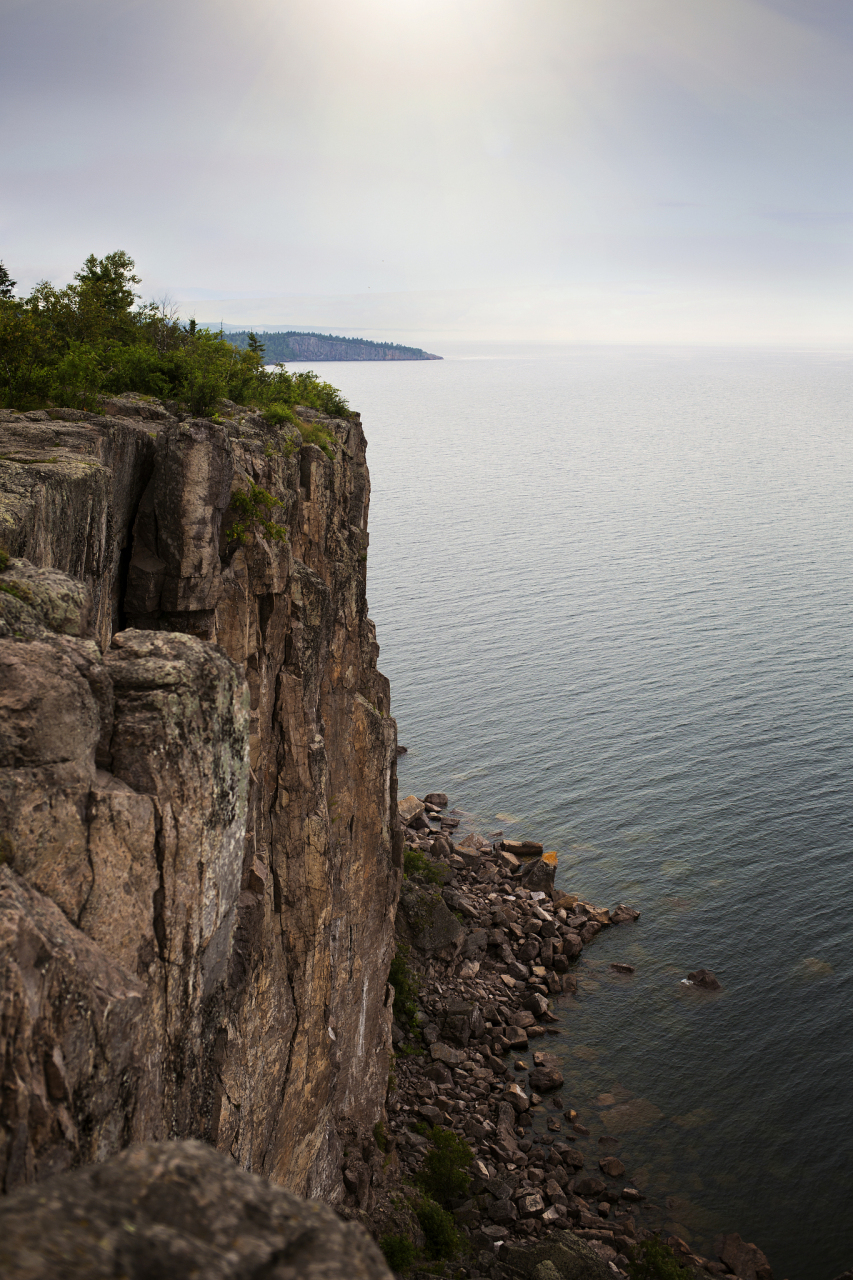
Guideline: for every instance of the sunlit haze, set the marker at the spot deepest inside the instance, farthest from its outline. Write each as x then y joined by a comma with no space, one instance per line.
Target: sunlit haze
616,171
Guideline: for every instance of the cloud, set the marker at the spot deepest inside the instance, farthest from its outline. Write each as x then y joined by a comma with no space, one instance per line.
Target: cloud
347,147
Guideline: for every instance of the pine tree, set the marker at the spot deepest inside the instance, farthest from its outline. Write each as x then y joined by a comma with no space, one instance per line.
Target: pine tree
7,284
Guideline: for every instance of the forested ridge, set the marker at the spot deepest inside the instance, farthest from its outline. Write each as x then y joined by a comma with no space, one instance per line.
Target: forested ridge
302,345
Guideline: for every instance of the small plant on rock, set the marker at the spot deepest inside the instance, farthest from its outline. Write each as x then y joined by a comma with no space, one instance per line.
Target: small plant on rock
406,987
400,1252
254,509
316,433
444,1174
442,1238
654,1260
416,863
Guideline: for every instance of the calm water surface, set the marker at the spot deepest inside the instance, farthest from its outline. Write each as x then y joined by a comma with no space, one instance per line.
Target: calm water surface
613,593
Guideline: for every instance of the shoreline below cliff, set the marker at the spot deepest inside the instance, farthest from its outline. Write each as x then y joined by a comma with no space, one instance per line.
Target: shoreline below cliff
491,945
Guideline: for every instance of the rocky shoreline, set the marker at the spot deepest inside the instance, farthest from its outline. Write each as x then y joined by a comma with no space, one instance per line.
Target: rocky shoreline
489,942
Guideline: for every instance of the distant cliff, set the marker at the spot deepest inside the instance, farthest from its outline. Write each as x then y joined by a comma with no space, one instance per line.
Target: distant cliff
281,347
199,856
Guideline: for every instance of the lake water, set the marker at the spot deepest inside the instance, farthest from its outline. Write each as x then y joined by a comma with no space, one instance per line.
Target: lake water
613,592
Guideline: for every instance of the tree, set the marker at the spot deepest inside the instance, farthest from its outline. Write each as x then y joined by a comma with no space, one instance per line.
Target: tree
7,284
255,345
109,281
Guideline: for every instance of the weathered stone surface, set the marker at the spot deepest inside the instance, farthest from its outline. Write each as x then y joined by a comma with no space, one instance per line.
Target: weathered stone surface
119,879
296,1023
539,874
746,1260
522,848
611,1167
517,1098
591,1187
545,1079
437,798
409,808
624,915
571,1258
68,491
443,1053
176,1209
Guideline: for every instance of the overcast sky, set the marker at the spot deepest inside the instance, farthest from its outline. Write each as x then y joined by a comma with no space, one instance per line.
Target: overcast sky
603,170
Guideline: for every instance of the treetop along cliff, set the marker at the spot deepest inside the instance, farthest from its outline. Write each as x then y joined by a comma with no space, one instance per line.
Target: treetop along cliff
94,337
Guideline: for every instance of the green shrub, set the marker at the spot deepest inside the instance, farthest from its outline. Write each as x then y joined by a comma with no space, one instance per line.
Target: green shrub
316,433
277,414
654,1260
406,987
442,1238
4,559
416,863
253,509
400,1252
380,1136
443,1175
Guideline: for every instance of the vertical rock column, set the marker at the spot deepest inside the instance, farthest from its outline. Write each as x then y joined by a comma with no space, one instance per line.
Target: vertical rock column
304,1032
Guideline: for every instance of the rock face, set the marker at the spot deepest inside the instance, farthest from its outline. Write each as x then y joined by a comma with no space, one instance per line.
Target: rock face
198,790
177,1209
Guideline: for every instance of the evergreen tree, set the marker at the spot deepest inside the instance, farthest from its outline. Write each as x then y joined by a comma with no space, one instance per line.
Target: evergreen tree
7,284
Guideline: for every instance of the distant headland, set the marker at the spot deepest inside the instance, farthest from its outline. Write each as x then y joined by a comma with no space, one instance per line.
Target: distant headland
280,347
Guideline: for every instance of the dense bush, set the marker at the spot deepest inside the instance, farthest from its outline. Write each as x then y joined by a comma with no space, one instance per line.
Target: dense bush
400,1252
443,1175
406,988
416,863
442,1238
654,1260
93,338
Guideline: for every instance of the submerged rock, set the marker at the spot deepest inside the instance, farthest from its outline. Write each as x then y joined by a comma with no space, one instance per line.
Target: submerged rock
705,979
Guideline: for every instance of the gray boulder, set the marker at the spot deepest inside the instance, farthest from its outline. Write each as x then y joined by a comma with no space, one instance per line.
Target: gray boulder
176,1209
570,1257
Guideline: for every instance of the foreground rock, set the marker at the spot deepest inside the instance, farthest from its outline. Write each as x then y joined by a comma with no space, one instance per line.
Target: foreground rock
176,1209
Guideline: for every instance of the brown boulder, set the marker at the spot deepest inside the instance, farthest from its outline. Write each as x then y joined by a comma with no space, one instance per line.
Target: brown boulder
409,808
590,1187
539,874
572,945
522,848
612,1167
438,798
745,1260
545,1079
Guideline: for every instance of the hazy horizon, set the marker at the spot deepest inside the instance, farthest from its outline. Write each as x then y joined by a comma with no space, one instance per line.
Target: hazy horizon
636,171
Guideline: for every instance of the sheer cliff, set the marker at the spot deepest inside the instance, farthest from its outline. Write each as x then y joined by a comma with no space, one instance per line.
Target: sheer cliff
200,866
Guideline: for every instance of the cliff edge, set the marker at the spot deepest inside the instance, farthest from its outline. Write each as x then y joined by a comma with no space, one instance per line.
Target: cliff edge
200,863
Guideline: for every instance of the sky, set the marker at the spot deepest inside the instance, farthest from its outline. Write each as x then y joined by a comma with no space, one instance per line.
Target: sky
424,170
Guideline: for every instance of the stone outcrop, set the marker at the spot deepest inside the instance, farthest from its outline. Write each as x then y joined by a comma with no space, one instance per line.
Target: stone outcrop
198,792
177,1209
